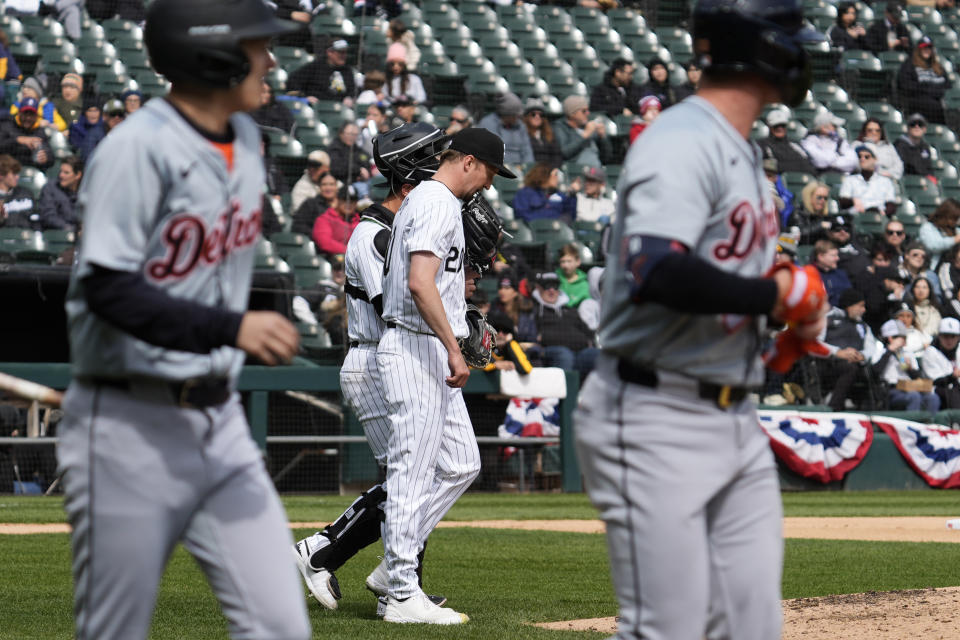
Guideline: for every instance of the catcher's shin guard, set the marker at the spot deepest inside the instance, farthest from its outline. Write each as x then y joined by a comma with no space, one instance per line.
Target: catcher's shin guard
358,527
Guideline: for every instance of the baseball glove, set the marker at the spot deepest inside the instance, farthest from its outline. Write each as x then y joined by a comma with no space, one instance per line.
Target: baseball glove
482,231
477,348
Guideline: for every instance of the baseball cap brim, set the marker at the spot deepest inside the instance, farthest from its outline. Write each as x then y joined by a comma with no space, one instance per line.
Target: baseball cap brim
501,170
484,145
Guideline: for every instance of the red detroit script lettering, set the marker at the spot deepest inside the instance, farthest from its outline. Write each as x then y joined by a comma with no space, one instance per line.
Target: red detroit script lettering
748,230
189,242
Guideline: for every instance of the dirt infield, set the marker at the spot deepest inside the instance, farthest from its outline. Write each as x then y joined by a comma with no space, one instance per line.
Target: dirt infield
890,615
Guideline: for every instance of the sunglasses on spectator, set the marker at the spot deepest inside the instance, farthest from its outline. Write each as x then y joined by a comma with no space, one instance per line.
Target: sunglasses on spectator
459,120
864,155
779,126
819,197
538,114
916,123
894,232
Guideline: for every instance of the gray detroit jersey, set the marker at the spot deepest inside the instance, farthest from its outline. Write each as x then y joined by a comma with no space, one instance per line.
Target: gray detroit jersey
694,179
166,207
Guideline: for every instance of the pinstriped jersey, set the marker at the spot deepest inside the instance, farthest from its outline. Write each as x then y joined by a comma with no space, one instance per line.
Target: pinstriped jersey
428,220
708,191
363,266
158,199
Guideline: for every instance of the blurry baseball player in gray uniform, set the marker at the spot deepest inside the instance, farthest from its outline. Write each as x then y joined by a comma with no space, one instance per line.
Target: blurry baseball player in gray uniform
670,446
432,454
405,156
154,445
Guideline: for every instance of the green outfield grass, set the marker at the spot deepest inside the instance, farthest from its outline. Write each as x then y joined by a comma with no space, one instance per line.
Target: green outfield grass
503,579
489,506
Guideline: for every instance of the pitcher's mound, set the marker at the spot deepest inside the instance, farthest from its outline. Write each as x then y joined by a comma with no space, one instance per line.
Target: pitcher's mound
876,615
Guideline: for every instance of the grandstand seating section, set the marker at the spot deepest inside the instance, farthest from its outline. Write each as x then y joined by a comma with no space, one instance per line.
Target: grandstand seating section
470,52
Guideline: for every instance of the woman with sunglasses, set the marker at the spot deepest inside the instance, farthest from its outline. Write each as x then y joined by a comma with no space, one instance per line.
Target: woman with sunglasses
811,217
888,160
400,81
546,149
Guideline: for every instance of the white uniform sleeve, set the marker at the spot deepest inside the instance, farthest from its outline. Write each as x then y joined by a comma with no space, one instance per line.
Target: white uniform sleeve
370,271
670,187
432,228
119,205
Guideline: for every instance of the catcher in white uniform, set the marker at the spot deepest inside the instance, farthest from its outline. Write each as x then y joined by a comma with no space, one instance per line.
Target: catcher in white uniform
432,454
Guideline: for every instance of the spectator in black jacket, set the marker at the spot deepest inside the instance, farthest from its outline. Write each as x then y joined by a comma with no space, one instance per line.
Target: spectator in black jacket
616,95
567,342
294,10
688,88
271,113
349,163
847,34
545,147
326,78
17,207
922,82
913,149
851,346
659,84
790,155
22,137
58,200
889,33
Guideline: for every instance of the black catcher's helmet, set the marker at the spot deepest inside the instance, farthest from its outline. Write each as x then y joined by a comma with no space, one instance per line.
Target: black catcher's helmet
408,154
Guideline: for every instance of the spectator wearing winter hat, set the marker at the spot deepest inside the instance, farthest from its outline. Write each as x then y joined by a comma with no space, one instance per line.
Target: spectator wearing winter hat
868,190
922,82
399,79
658,84
898,364
791,157
23,138
333,229
914,149
132,100
505,122
87,132
582,140
397,32
46,110
649,110
616,94
69,104
826,149
592,204
542,140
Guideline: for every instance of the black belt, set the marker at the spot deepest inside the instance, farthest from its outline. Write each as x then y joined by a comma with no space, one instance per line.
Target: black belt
723,395
394,325
357,343
195,393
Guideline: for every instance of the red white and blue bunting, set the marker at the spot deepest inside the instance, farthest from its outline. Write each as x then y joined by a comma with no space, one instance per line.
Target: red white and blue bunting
819,446
932,450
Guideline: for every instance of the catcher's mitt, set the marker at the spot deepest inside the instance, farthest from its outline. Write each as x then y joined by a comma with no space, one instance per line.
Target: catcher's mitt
482,231
477,348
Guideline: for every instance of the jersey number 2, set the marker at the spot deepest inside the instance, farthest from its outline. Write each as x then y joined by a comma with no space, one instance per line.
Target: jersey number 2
454,260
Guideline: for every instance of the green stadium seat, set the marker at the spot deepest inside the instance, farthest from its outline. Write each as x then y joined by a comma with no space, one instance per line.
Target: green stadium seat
308,270
58,240
870,223
288,244
519,230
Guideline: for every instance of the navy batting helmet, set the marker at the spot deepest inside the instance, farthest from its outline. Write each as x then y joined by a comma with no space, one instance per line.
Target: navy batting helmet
764,37
197,42
408,154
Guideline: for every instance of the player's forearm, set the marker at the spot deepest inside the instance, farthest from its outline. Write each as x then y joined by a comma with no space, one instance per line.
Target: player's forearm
430,306
127,301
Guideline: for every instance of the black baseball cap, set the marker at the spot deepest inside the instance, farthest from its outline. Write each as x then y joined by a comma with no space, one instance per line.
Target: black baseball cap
548,280
483,145
348,192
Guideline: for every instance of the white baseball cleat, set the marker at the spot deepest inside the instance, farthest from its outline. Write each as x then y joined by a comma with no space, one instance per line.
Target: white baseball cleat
418,609
322,584
379,583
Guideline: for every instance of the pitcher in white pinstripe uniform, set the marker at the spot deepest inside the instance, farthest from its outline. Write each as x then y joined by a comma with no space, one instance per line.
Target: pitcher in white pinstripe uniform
432,454
405,156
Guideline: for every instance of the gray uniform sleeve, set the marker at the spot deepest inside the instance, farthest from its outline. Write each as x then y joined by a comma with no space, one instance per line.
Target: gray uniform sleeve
119,205
672,197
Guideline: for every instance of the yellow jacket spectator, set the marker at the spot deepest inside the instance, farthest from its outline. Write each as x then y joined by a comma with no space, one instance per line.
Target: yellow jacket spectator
48,113
508,355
